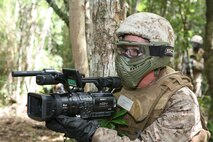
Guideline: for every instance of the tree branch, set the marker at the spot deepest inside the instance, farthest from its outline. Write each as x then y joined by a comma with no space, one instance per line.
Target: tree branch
59,12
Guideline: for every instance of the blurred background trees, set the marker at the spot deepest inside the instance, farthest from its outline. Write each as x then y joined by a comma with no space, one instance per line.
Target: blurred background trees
78,34
30,40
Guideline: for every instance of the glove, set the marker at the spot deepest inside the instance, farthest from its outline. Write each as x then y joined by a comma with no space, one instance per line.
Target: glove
73,127
191,61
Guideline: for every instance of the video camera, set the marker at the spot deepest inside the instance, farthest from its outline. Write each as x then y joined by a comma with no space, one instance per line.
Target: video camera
74,101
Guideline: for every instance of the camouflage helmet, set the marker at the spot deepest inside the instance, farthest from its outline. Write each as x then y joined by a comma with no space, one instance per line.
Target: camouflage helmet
158,31
197,39
149,26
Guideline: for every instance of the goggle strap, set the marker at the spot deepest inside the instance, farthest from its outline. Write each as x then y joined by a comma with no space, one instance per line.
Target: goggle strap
161,51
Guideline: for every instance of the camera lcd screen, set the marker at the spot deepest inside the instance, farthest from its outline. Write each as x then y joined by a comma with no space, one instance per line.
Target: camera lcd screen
73,77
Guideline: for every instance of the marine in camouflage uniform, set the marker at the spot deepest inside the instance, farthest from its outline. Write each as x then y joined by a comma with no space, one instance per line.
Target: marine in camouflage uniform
159,100
197,63
175,115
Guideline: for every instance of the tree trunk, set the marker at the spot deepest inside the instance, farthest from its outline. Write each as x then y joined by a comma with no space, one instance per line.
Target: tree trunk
102,20
92,29
77,34
208,45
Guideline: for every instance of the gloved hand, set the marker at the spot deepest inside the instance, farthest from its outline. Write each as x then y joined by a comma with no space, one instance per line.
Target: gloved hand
192,61
73,127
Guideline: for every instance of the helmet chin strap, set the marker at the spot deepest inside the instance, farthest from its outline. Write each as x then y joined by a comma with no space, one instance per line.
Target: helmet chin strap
149,78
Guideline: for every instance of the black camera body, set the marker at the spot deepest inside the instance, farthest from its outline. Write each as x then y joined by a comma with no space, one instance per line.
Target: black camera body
74,102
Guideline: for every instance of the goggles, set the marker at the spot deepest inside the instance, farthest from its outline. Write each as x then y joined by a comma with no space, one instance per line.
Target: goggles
132,49
196,45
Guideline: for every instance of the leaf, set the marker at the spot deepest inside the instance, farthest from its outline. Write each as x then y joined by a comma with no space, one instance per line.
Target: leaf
120,121
111,126
120,113
103,122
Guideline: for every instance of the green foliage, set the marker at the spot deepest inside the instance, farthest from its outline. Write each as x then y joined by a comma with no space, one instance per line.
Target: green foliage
142,6
205,102
205,105
50,60
210,127
31,42
186,17
64,50
116,120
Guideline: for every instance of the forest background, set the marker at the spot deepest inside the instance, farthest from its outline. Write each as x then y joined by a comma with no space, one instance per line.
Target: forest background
38,34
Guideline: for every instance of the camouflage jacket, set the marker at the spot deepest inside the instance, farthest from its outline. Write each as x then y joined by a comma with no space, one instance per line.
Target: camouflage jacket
179,122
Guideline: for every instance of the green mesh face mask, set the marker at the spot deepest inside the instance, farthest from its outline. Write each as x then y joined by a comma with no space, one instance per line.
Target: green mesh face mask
131,69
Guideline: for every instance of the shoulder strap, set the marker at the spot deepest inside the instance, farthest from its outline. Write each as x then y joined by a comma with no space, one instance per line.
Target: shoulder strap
173,83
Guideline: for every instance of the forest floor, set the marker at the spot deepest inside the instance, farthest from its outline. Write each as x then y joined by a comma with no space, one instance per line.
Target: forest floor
16,126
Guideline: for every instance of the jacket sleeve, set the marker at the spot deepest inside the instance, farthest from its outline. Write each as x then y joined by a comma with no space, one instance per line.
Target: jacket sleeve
180,121
198,65
108,135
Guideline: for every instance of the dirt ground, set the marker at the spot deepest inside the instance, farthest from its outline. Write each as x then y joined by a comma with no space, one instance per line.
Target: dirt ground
16,126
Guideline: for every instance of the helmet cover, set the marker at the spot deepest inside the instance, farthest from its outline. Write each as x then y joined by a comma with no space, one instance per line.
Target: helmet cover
197,39
149,26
